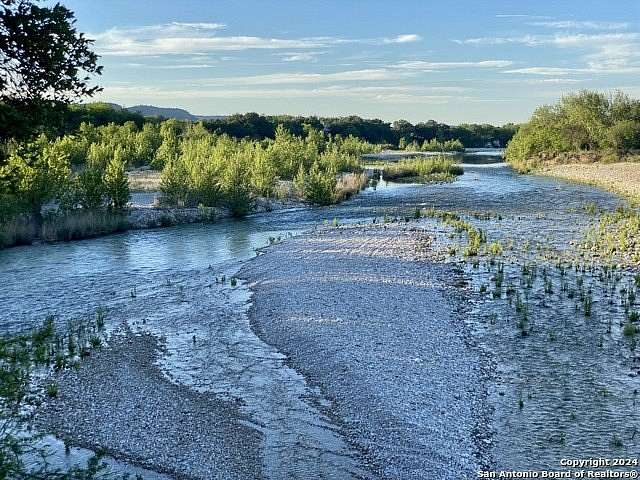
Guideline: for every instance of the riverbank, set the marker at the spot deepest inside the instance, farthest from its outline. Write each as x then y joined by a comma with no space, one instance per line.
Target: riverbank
622,177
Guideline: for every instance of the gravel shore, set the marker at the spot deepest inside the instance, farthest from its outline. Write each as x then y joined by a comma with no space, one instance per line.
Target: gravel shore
622,178
369,318
121,403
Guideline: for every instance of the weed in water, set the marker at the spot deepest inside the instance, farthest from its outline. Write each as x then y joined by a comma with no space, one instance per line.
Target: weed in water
587,303
100,318
629,329
494,248
52,390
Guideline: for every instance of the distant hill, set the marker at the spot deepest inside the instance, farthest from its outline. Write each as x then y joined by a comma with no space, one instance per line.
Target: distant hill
151,111
167,112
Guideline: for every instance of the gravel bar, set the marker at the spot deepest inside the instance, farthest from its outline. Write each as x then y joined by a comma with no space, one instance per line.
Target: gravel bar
369,317
121,403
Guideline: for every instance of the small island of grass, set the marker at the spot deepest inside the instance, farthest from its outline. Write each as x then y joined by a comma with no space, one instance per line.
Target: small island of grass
423,170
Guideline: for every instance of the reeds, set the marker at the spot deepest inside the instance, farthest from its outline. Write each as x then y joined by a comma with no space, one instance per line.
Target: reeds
81,224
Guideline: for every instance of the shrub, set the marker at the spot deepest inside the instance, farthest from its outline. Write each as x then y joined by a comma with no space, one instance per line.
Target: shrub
584,121
316,186
78,224
116,183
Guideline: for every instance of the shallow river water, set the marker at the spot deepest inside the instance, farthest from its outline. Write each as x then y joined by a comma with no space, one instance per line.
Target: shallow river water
564,381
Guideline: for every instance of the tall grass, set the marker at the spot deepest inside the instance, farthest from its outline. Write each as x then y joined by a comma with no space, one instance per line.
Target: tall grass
349,184
17,231
423,170
80,224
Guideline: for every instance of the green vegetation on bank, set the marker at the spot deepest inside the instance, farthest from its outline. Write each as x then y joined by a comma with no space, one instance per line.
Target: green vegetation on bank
589,124
76,186
63,119
42,197
617,236
422,170
432,145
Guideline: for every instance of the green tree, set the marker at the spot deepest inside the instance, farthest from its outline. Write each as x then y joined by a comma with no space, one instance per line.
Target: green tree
317,185
116,183
174,182
44,62
90,187
263,172
624,136
236,185
35,174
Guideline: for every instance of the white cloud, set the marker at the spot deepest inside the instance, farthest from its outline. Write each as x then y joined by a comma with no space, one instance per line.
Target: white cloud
551,71
573,40
300,56
113,42
614,53
301,77
180,38
430,66
558,81
375,94
408,38
579,25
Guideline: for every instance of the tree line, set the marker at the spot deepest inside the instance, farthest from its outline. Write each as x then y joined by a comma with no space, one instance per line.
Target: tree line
606,126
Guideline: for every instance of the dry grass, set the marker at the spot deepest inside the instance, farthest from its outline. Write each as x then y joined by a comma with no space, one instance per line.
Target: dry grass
18,231
622,178
144,180
80,224
349,184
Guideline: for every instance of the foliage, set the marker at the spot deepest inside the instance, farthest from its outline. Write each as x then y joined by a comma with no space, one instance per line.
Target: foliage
617,235
90,188
422,169
19,356
316,185
34,173
45,63
374,131
583,122
116,184
434,145
236,183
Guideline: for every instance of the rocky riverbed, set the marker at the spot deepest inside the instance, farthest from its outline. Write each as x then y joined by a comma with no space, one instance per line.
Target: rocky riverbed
390,387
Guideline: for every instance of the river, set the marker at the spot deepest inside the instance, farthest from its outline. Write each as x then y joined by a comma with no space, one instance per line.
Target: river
564,394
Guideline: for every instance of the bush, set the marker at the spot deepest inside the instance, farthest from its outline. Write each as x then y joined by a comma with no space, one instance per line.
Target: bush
316,186
582,122
116,183
90,188
236,185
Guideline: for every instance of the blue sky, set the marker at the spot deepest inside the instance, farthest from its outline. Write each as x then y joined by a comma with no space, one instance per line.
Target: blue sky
452,61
